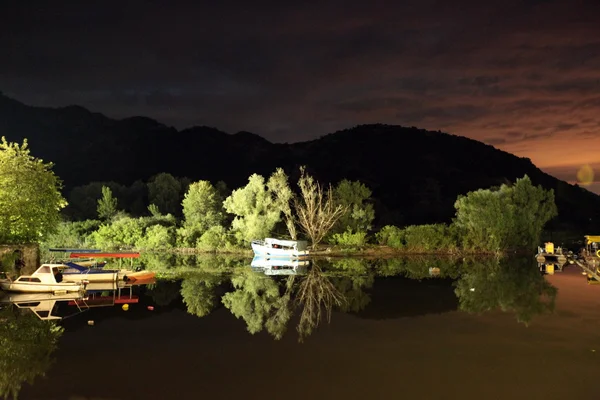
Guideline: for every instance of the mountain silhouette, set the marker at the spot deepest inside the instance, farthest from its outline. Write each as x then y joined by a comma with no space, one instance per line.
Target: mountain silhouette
415,175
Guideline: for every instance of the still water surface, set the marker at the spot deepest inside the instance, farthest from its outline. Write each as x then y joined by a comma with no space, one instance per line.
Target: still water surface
339,329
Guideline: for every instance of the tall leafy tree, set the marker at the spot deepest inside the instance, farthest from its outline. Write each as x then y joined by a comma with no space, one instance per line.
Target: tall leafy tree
254,208
107,204
512,216
30,198
202,207
355,196
283,196
165,190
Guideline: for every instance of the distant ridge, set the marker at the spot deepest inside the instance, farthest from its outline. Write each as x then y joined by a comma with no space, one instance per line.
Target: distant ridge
415,174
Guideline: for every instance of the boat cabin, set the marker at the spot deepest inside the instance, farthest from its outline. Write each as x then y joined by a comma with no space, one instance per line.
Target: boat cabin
47,273
299,245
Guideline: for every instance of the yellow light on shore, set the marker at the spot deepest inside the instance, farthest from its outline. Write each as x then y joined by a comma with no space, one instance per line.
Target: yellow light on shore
585,175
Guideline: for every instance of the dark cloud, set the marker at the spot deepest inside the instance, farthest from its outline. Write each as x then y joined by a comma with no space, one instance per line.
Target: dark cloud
516,74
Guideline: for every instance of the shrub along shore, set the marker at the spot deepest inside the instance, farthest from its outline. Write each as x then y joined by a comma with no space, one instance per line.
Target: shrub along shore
335,220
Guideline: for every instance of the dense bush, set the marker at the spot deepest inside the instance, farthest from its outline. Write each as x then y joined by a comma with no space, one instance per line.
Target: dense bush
420,238
349,238
214,239
72,234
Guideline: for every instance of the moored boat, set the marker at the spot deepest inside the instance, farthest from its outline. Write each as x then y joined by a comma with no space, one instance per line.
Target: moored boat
139,276
549,254
46,279
76,272
271,247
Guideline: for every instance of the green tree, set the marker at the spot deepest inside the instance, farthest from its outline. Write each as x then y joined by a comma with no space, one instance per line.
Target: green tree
512,216
316,210
282,197
356,197
164,190
30,199
107,204
202,210
255,210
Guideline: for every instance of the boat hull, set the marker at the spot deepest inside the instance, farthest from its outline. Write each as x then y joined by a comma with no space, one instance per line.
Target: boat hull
35,287
265,251
109,276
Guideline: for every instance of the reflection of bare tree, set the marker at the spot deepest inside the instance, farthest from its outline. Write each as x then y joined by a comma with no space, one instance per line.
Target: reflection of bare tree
315,293
276,324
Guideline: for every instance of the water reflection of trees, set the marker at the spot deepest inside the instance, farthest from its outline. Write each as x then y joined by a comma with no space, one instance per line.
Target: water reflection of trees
513,285
271,303
267,303
316,293
198,293
26,347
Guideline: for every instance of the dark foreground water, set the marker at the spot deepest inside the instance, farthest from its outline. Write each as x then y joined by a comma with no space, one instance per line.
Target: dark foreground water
396,331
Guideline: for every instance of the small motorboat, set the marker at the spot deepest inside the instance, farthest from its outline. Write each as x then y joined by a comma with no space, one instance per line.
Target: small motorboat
280,248
46,279
76,272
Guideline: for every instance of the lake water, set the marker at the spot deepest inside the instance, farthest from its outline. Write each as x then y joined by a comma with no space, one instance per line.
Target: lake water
341,329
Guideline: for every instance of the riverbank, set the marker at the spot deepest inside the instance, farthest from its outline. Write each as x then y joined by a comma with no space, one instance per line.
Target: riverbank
378,251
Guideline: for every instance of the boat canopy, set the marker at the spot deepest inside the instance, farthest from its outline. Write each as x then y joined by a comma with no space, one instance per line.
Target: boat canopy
299,245
74,250
589,239
105,255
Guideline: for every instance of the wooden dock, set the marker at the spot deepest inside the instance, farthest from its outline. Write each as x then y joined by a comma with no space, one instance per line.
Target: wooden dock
592,272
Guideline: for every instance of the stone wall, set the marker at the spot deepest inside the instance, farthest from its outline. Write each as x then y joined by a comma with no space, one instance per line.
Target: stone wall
20,259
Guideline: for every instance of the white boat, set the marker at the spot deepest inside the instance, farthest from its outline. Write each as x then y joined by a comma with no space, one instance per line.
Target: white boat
279,266
47,279
280,248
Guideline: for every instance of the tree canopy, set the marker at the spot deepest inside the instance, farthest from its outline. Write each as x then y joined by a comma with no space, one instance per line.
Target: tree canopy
30,198
510,217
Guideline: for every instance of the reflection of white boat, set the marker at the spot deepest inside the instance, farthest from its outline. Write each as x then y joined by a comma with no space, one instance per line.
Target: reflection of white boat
103,294
47,279
43,305
280,248
279,266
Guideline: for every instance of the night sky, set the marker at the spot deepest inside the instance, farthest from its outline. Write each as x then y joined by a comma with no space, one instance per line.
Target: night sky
523,76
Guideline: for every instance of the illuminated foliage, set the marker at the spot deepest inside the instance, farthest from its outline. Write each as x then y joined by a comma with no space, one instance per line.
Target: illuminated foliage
107,204
255,210
202,210
164,190
511,217
30,199
354,196
282,196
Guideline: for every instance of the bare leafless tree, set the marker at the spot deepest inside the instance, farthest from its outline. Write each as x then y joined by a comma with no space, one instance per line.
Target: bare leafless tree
315,208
